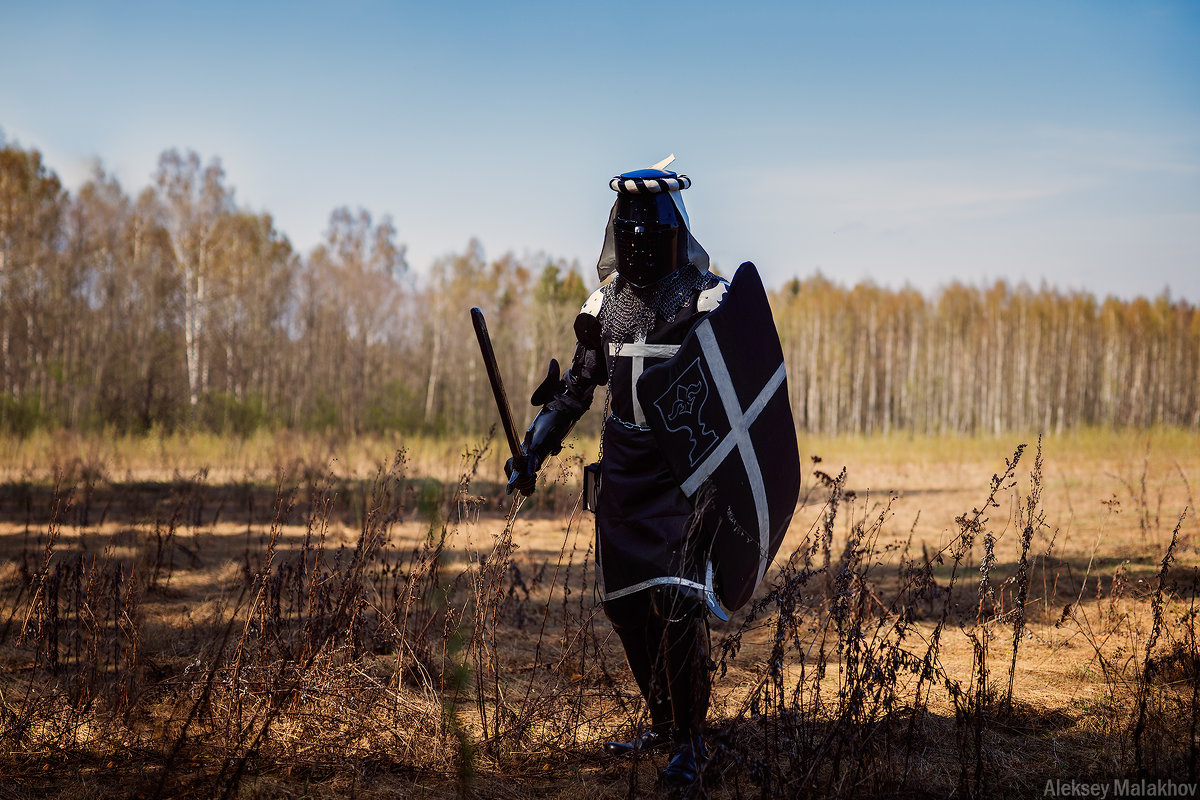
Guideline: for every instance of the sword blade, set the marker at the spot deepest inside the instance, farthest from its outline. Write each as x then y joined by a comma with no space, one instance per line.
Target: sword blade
493,372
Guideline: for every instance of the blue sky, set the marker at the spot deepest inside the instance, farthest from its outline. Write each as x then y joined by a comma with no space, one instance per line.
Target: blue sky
902,142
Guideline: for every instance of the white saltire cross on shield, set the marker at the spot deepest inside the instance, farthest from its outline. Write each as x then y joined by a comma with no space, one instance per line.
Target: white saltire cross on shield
740,421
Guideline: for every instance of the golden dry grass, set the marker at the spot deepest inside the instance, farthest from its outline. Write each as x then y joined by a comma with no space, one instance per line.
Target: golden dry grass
474,659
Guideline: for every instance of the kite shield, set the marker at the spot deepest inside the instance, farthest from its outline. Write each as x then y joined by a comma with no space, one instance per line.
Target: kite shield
719,411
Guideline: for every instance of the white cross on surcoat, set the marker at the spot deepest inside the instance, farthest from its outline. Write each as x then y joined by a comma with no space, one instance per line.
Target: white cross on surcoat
638,351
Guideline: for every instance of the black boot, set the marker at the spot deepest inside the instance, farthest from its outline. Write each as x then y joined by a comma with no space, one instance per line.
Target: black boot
687,760
649,740
641,632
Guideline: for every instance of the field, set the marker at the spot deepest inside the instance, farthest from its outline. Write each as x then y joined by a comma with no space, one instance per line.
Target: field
284,616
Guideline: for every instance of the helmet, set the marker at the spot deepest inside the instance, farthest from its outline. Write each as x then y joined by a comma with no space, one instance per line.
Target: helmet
648,237
647,233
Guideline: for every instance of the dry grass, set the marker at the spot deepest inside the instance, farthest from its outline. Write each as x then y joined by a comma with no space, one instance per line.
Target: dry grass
272,619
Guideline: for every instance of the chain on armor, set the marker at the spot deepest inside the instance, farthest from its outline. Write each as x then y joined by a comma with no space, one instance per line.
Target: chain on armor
630,313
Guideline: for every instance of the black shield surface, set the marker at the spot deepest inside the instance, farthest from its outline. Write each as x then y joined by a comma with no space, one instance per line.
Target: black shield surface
719,411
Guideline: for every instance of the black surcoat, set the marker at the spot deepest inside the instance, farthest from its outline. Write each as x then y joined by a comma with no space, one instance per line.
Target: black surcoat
643,520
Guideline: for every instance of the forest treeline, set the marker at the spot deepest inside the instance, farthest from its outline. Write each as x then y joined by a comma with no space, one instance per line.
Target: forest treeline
176,308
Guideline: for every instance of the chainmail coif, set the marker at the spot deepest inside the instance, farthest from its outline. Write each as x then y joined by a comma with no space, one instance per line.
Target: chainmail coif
629,313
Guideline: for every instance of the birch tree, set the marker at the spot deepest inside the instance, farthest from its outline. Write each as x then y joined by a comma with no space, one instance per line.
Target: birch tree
192,201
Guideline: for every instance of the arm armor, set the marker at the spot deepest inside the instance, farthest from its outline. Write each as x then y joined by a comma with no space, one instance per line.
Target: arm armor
563,407
564,400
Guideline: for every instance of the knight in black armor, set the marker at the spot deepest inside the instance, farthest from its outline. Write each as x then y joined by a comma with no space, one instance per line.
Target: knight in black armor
653,557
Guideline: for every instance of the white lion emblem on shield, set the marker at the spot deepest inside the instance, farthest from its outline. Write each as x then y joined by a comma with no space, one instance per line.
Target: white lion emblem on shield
681,407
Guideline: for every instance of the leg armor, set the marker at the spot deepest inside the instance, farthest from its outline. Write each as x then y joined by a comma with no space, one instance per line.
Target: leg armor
664,632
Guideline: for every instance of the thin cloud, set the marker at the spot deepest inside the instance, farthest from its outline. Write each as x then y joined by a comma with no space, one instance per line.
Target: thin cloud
1177,154
917,192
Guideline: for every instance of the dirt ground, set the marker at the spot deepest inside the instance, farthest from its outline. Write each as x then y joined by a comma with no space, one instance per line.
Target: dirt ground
516,679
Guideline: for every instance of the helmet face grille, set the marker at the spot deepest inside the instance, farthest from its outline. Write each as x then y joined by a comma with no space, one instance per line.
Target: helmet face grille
646,236
644,256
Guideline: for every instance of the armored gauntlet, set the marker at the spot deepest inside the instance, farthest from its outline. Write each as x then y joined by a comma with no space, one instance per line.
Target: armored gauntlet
542,440
564,400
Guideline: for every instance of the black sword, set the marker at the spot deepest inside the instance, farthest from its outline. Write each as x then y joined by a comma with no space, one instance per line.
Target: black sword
493,371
